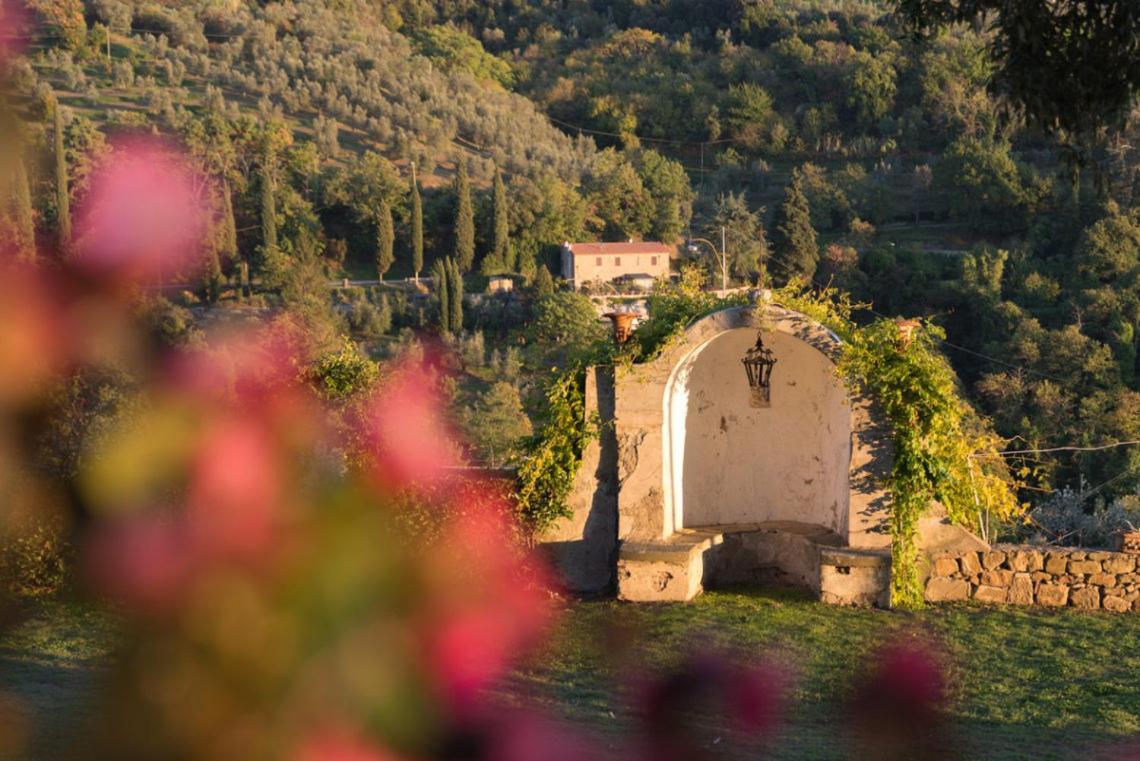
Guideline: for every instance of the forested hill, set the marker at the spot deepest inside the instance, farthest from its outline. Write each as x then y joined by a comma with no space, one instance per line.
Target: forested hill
347,86
824,138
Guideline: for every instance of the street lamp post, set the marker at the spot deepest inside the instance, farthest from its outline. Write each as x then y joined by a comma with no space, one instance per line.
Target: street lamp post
721,254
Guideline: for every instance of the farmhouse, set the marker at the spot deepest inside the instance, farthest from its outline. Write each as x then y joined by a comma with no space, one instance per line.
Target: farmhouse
584,263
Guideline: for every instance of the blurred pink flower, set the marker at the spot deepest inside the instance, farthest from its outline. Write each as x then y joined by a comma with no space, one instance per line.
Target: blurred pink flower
908,676
15,29
475,631
755,696
525,736
144,561
408,438
144,216
35,343
235,490
341,746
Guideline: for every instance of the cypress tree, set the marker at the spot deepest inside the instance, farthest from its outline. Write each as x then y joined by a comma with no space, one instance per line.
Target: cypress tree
385,239
501,243
25,220
211,285
455,294
62,192
268,207
543,282
229,243
440,276
417,227
464,220
793,239
243,279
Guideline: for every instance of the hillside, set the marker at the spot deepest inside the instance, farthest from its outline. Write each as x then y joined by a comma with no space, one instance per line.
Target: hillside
928,193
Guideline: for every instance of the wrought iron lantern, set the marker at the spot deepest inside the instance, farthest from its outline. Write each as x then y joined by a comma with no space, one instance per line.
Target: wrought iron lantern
758,363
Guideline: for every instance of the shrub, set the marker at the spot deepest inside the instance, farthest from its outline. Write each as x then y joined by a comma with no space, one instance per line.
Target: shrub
35,558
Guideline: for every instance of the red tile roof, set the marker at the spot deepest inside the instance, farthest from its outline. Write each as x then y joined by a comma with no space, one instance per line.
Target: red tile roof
597,249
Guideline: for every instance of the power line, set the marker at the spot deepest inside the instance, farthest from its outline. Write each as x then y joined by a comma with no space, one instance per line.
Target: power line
1096,448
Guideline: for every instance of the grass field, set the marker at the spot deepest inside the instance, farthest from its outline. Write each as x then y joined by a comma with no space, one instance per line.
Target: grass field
1026,684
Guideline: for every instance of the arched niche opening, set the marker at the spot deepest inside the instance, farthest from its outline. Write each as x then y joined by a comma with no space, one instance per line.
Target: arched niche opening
728,463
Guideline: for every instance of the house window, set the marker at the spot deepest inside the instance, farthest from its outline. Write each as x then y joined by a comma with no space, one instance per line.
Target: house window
598,261
617,261
653,261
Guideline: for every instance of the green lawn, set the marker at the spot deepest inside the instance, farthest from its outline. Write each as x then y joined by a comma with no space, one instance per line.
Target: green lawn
50,663
1026,683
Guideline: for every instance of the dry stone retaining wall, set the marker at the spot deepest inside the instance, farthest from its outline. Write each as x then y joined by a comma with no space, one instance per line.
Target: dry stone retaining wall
1088,579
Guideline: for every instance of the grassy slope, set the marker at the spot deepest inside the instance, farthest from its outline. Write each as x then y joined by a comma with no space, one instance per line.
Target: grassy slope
49,664
1027,683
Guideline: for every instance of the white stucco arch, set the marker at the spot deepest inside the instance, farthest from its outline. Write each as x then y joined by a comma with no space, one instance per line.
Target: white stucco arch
725,462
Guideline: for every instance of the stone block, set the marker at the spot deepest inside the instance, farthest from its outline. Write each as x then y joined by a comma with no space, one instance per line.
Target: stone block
946,565
1120,564
1116,604
1052,595
946,590
999,578
1056,563
1018,561
1103,579
1102,556
986,593
1039,576
1087,598
1086,567
1021,589
1077,555
1136,605
993,559
970,563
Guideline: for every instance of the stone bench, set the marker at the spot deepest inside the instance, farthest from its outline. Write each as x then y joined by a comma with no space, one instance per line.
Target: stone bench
774,553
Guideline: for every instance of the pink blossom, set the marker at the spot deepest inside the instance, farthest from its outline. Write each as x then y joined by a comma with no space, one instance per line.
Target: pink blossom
15,28
144,561
477,630
144,217
235,489
408,437
523,736
34,338
908,675
340,745
755,696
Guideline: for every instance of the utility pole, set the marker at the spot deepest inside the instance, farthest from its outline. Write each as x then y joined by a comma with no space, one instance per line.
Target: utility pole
721,254
723,263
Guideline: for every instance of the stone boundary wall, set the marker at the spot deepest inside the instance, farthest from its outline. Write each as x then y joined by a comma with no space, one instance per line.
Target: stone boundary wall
1048,577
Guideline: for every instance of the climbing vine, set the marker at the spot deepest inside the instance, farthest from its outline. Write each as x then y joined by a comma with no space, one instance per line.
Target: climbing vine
550,463
943,450
546,474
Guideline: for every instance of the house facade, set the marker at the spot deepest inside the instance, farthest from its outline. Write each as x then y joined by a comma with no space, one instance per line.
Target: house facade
584,263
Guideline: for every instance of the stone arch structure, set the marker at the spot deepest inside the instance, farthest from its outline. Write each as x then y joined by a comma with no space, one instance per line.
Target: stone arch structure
690,485
728,463
812,433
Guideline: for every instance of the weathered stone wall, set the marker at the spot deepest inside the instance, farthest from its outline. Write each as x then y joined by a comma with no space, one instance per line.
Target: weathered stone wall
1015,575
584,547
